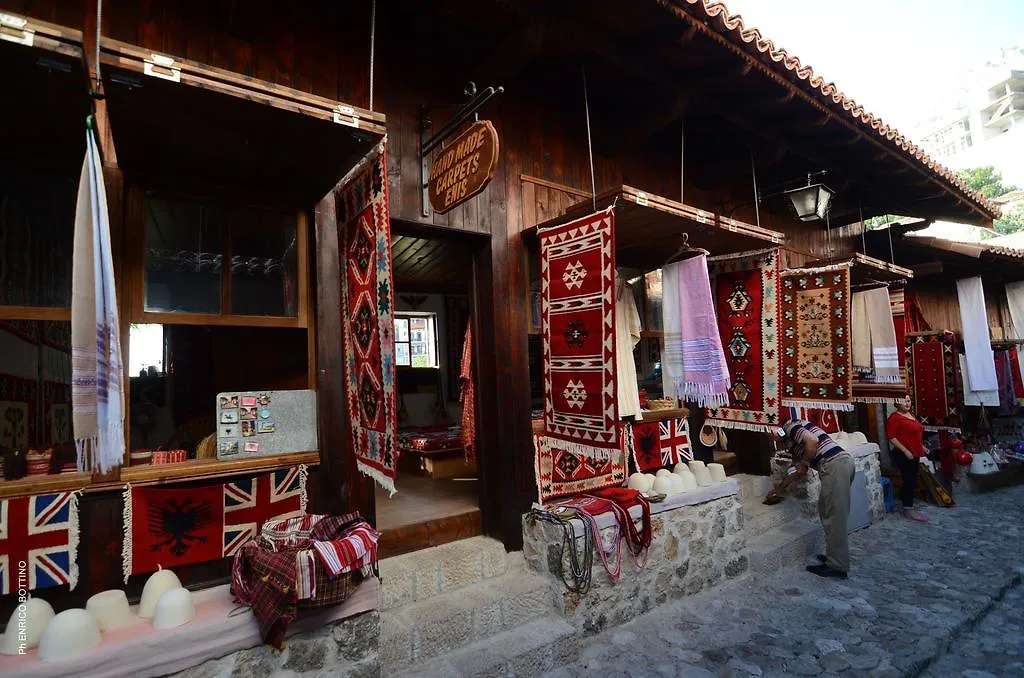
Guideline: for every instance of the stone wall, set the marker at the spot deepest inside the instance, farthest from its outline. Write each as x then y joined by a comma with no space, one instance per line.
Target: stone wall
694,548
865,459
344,648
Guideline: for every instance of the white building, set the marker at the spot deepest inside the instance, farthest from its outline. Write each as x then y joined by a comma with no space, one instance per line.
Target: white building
987,128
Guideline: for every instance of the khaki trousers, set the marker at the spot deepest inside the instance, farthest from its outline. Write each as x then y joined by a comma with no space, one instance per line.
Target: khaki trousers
834,509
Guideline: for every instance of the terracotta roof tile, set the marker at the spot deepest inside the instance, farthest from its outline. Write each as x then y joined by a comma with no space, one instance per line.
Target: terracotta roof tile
758,45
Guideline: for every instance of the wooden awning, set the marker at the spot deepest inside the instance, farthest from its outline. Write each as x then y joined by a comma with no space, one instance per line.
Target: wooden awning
198,125
867,270
647,228
42,120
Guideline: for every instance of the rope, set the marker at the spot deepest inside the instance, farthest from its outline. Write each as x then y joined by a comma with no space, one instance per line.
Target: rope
590,145
863,236
757,198
682,160
373,45
99,24
892,257
580,572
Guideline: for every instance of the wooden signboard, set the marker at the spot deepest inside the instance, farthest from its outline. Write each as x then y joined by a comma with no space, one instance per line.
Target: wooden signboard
464,167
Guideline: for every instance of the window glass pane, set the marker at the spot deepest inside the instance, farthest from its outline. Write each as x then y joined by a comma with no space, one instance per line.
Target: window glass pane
35,387
401,329
37,225
175,408
183,256
146,357
264,263
402,354
652,289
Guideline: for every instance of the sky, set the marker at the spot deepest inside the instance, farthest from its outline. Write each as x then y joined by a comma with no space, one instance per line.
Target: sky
904,60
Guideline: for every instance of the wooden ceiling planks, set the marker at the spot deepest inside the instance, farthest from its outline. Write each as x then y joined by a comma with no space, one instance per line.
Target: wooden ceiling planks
430,264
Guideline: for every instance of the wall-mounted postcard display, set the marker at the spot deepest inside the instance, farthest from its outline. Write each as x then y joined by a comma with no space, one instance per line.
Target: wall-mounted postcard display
260,423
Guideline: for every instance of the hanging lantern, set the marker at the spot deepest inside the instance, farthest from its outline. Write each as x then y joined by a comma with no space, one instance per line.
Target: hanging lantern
810,202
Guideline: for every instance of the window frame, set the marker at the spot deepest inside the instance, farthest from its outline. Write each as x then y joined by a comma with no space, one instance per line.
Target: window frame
432,326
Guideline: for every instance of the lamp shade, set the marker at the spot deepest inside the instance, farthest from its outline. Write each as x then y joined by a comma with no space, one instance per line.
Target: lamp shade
810,202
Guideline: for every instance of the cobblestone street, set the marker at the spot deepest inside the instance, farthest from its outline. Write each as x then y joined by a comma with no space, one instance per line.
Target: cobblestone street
940,600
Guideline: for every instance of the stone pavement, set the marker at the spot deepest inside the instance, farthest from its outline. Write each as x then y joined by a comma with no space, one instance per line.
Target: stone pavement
942,599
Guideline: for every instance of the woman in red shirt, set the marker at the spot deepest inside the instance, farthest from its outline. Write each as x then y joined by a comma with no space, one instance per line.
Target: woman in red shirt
906,447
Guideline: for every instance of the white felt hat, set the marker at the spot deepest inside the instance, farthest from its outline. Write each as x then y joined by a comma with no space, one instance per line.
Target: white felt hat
677,484
662,485
68,635
663,473
717,472
703,476
30,619
638,481
174,608
110,608
158,582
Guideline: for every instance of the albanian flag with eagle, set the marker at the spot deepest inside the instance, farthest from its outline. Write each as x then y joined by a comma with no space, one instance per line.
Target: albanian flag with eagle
169,528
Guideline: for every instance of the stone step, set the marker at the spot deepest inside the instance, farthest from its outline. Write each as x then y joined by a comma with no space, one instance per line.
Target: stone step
752,489
760,519
437,626
427,573
524,652
787,546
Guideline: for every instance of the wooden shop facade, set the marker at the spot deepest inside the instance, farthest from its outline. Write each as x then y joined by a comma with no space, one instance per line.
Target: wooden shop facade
225,129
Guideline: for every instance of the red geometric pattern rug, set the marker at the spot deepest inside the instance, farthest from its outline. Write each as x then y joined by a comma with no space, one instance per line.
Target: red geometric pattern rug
744,287
933,375
817,367
364,238
578,333
561,472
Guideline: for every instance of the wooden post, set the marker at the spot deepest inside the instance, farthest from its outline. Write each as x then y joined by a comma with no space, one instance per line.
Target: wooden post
333,495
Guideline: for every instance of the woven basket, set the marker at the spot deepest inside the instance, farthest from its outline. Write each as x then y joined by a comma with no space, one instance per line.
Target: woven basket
663,404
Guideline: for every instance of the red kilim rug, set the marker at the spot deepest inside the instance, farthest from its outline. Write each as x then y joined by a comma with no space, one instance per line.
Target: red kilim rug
168,528
578,332
561,473
826,420
933,374
643,441
745,292
815,338
364,238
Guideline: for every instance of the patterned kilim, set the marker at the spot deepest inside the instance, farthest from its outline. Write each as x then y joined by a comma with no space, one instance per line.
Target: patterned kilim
897,304
38,542
826,420
578,331
561,473
867,392
815,338
932,371
364,238
745,293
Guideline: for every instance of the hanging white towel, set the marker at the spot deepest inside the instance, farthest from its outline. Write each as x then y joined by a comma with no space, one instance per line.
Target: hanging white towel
977,343
627,335
671,343
1015,300
986,398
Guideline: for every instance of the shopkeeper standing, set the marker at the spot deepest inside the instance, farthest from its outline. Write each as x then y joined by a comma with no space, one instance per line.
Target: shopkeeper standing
906,447
813,448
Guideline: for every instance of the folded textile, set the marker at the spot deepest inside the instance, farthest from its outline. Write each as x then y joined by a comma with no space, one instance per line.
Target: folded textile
704,375
981,367
860,332
356,549
884,352
272,592
988,398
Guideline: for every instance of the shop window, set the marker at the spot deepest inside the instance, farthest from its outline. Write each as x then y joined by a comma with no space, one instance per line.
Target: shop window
187,245
37,218
416,340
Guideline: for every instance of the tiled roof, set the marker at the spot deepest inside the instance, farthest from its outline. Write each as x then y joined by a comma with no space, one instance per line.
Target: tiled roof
754,43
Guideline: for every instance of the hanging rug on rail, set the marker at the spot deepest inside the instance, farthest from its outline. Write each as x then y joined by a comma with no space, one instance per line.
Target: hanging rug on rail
38,542
745,292
814,339
932,373
171,527
364,238
561,472
578,336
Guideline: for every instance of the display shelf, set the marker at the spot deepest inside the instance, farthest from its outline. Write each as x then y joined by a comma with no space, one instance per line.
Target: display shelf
198,469
43,484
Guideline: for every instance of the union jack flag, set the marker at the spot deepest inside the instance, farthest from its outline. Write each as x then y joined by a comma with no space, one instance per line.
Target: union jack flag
250,502
38,541
675,441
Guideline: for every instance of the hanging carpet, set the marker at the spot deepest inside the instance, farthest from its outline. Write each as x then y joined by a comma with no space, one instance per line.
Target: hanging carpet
1004,378
817,369
38,542
744,287
826,420
932,374
578,332
561,472
467,431
364,241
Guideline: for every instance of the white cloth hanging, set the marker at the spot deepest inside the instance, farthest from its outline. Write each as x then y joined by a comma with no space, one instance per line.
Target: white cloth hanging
627,335
981,362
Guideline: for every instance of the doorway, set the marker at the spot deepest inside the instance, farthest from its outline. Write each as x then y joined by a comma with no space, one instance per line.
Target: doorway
439,489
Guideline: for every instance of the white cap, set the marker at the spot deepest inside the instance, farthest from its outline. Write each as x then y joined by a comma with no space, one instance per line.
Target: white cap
32,617
68,635
110,608
158,582
174,608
